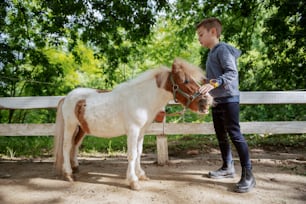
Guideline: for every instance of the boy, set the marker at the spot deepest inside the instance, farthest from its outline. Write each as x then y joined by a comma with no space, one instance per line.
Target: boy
222,78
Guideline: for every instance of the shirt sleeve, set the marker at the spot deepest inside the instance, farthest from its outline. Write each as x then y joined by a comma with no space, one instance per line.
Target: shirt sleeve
228,65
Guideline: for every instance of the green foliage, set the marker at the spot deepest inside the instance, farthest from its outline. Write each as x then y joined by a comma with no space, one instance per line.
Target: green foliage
272,142
285,30
273,113
26,146
49,48
30,29
105,145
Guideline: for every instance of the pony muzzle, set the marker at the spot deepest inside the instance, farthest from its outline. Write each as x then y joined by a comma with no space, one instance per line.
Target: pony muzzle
204,104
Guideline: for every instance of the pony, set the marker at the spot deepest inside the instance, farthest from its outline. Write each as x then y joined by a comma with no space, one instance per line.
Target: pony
128,109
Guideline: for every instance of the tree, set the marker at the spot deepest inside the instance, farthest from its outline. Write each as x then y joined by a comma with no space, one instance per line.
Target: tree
31,29
286,34
111,28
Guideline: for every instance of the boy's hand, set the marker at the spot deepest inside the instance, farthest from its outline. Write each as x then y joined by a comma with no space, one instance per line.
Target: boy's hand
206,88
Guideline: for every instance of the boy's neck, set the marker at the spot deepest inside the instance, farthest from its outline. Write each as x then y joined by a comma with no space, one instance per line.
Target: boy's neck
214,43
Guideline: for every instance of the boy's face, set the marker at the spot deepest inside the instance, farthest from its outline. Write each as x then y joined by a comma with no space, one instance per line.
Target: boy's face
207,38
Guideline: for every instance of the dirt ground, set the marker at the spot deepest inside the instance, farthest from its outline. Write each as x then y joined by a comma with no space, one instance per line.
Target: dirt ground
280,177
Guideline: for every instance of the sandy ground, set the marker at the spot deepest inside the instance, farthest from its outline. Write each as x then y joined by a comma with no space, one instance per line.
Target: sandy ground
281,178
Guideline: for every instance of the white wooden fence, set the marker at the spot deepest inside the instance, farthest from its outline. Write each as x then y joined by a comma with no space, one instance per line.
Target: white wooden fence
164,129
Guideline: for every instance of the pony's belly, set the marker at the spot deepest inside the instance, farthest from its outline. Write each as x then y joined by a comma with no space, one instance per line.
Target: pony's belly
105,129
110,133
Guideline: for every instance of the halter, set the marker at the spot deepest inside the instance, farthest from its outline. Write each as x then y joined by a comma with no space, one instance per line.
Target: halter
176,89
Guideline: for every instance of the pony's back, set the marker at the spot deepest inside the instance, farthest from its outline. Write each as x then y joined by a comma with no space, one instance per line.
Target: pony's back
150,74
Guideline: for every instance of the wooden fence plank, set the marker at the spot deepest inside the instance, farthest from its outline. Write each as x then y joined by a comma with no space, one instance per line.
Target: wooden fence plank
274,127
27,129
247,97
273,97
267,127
29,102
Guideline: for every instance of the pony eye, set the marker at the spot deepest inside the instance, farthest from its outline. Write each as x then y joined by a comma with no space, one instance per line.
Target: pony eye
186,81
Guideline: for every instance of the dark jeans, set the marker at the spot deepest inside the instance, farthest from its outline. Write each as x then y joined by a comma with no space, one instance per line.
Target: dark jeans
226,122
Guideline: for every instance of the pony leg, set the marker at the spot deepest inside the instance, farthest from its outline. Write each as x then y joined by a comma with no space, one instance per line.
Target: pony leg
67,148
139,171
77,141
132,156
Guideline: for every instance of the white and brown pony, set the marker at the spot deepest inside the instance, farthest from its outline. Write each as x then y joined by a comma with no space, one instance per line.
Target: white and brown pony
127,110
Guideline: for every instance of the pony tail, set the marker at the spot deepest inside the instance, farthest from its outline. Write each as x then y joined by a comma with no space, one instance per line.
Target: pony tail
58,138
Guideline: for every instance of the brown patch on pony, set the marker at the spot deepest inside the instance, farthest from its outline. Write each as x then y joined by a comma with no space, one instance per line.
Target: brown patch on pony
168,84
79,112
79,135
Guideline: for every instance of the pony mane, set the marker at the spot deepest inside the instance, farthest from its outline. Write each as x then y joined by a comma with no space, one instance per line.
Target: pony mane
143,77
194,71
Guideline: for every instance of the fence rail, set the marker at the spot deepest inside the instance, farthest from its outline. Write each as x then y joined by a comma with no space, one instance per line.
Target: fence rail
246,97
163,129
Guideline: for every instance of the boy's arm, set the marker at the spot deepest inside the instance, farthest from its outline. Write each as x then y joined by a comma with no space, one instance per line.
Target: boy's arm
228,64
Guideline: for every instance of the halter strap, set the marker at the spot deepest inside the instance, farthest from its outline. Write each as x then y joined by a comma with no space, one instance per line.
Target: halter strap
176,88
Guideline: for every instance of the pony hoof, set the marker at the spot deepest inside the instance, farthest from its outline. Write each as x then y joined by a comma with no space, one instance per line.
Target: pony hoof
75,170
144,178
135,185
69,178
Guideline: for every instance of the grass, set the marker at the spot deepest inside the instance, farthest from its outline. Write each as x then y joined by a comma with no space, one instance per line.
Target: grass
42,146
26,146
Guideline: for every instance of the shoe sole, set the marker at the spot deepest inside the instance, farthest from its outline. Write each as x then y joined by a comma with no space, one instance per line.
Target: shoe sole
237,190
221,177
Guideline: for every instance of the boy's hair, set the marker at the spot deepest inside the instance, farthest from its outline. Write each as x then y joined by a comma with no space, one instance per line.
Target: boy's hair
210,23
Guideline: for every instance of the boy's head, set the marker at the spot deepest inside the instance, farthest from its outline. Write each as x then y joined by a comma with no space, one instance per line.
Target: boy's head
211,23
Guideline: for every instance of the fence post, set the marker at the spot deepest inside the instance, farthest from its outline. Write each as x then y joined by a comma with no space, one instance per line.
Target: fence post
161,141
